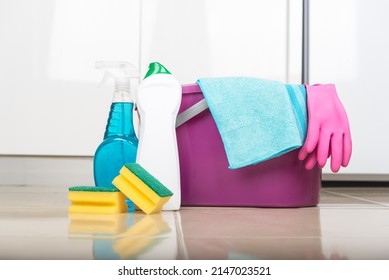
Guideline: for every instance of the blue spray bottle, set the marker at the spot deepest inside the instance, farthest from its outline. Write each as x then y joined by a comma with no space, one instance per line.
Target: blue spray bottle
120,143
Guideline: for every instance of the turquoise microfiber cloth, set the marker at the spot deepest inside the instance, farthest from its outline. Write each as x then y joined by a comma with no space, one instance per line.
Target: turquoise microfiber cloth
257,119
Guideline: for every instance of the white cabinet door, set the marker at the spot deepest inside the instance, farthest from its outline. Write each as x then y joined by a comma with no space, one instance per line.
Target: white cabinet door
201,38
349,47
49,100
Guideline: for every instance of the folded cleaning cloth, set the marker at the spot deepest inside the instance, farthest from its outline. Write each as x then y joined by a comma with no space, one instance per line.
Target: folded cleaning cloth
257,119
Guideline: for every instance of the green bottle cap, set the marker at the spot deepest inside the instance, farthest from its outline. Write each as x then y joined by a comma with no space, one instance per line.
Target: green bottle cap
156,68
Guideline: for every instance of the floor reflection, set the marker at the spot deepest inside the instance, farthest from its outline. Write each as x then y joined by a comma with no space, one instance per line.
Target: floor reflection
127,235
350,223
252,233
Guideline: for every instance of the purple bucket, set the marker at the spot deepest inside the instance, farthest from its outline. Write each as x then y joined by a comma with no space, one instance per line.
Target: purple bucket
207,181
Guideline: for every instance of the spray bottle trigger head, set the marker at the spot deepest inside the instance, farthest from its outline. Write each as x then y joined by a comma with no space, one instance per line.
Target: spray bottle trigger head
120,71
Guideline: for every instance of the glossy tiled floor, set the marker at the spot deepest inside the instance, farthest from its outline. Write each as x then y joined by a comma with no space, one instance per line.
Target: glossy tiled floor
349,223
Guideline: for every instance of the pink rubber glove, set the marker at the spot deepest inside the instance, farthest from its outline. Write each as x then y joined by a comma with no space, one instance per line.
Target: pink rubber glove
328,132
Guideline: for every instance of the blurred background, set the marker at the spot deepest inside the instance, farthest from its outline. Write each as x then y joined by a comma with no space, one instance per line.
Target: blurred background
53,114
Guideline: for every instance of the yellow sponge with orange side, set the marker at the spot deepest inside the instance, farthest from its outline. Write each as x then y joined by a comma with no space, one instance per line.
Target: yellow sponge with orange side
142,188
96,200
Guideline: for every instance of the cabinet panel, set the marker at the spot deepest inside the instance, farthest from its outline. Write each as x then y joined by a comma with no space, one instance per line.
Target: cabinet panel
349,47
49,100
200,38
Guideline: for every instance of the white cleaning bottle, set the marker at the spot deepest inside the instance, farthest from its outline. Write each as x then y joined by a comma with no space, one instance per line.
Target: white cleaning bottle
158,101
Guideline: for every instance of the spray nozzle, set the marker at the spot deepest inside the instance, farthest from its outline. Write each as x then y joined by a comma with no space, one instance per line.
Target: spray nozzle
121,71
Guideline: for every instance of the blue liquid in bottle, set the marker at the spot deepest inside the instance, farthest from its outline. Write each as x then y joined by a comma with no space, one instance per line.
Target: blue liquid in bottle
118,148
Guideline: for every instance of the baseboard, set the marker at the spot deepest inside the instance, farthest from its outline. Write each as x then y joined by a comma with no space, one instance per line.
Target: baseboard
356,177
72,171
46,171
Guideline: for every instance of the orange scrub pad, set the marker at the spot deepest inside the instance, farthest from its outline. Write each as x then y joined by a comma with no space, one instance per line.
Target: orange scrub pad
142,188
96,200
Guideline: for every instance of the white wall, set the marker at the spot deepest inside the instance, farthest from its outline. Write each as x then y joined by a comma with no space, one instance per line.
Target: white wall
52,115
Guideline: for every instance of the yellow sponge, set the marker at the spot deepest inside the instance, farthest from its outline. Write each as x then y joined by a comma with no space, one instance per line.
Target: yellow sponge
96,200
142,188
